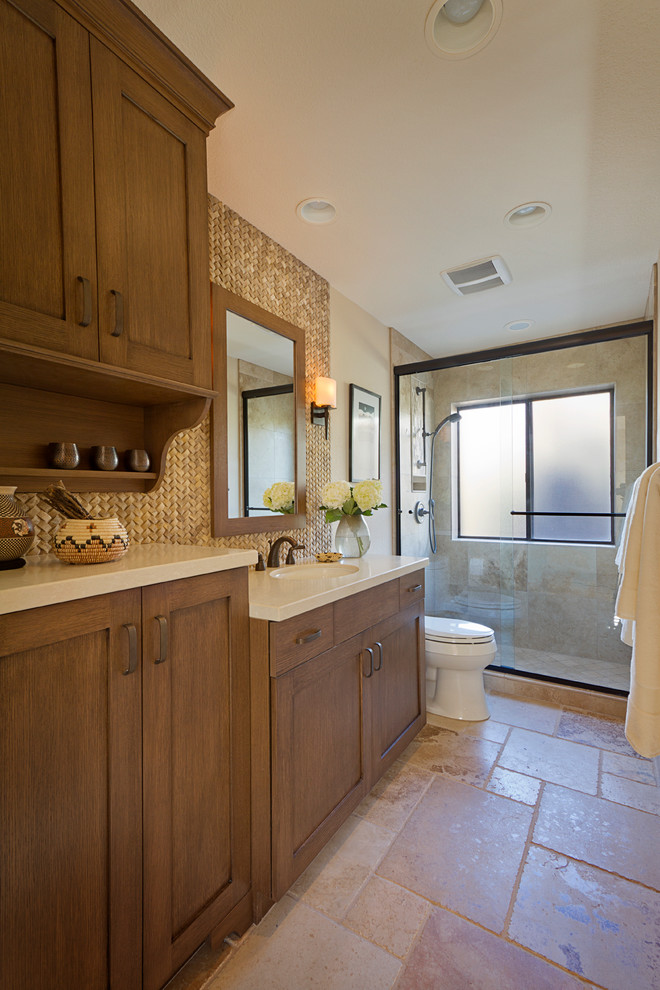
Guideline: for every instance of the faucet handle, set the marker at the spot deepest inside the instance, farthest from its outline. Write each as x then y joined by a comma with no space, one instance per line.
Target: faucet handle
290,559
261,563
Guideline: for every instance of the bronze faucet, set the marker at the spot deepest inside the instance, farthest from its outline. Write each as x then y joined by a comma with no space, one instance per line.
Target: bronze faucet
274,551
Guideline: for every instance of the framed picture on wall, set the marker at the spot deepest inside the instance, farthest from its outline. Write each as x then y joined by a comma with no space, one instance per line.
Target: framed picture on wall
363,434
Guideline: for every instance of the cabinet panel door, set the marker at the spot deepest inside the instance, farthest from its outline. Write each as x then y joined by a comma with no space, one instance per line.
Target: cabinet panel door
70,797
396,693
317,757
47,237
196,738
151,216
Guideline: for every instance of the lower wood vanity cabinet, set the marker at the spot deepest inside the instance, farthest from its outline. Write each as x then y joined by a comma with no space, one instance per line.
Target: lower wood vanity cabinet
340,717
124,780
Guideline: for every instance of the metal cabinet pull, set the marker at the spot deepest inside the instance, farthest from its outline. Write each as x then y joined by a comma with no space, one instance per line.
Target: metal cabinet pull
132,648
164,643
308,637
119,313
415,587
380,651
371,660
87,301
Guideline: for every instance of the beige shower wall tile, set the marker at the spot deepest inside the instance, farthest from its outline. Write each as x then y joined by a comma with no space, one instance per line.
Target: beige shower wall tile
562,570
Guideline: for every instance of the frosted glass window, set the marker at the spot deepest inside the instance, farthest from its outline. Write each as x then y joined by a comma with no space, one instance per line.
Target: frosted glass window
491,470
551,454
572,467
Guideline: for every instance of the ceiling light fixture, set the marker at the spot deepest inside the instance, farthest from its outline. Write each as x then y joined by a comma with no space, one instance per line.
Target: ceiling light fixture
316,210
460,28
517,326
528,215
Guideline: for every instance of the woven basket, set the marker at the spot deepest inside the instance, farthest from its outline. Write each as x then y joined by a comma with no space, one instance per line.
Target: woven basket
90,541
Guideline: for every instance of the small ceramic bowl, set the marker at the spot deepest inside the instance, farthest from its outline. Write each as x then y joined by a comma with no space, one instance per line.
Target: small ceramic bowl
328,558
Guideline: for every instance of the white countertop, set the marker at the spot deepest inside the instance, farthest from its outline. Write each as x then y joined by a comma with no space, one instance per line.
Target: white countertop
45,580
277,599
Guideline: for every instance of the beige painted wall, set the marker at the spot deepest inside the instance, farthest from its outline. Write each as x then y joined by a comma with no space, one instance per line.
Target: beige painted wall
360,354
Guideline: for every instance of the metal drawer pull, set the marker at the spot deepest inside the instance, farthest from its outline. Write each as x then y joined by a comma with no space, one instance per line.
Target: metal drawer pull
162,653
380,651
371,661
119,313
415,587
132,648
314,634
87,301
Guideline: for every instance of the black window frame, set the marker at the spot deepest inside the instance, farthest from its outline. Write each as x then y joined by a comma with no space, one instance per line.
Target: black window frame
530,512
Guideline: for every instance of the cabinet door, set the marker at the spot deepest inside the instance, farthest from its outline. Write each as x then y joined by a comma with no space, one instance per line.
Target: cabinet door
152,228
396,693
196,739
70,796
317,757
47,236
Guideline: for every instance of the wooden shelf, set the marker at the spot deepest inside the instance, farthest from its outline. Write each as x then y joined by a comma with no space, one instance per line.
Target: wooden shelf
49,397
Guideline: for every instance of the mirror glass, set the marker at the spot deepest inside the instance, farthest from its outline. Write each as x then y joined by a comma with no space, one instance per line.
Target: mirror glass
258,418
261,424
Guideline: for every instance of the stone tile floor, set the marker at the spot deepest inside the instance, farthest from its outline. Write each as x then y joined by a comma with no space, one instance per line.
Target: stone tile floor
521,853
586,670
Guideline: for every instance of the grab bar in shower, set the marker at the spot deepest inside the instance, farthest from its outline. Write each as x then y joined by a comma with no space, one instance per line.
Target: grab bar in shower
605,515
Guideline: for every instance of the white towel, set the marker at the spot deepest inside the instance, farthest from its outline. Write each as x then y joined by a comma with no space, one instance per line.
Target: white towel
638,599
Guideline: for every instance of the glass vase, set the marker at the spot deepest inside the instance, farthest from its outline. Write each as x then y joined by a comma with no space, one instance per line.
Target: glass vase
352,536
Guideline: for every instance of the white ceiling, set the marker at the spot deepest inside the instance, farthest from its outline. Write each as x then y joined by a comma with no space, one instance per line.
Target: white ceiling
423,156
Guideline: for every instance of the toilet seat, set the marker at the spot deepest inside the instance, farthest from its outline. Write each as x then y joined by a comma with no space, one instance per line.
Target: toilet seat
438,629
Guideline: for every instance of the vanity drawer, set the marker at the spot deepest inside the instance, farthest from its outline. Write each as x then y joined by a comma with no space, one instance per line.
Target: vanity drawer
411,588
295,640
359,612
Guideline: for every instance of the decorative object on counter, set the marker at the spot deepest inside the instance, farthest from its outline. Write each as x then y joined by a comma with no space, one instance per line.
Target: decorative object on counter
137,460
63,456
16,530
105,458
348,504
280,497
81,539
328,558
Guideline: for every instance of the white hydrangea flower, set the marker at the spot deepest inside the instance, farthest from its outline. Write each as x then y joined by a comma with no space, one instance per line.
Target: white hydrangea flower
279,497
368,494
335,494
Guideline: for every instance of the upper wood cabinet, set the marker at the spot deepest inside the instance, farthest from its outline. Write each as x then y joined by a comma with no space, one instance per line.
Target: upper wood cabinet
104,243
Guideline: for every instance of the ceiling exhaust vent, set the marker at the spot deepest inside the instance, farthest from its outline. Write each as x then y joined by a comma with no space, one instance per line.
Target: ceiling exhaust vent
480,275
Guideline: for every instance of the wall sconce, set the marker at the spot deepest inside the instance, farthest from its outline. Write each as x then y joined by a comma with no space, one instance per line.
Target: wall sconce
325,399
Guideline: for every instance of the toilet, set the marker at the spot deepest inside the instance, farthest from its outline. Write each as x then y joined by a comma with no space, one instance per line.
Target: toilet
457,652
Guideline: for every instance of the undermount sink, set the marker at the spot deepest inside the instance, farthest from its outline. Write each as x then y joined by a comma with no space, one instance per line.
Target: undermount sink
313,572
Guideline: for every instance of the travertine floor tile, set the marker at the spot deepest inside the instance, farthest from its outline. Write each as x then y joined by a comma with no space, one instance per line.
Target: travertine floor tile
644,797
514,785
635,768
525,714
595,730
454,954
388,915
461,848
490,729
599,832
395,795
556,760
465,758
300,949
597,925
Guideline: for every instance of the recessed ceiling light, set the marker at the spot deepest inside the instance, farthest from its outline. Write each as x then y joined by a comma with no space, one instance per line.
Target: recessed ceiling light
316,210
517,326
528,215
460,28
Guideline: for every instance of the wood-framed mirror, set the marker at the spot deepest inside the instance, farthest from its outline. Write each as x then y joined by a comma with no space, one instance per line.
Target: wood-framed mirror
258,417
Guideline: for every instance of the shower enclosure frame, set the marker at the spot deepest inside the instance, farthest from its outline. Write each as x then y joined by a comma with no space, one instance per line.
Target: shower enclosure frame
641,328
